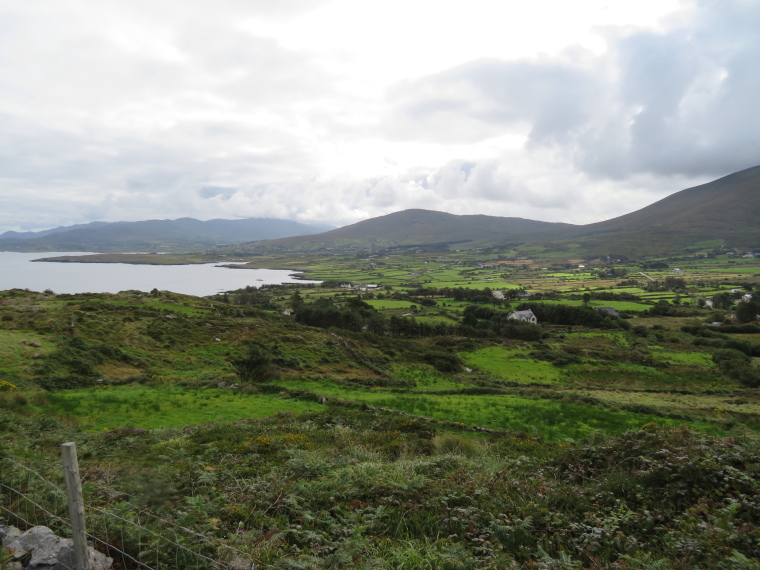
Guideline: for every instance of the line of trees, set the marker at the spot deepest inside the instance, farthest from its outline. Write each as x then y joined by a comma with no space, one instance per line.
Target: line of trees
574,316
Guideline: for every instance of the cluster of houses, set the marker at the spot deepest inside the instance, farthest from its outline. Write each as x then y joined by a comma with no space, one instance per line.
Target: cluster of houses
361,286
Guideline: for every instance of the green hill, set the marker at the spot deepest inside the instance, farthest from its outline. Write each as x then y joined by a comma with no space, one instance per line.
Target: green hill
420,227
180,234
727,209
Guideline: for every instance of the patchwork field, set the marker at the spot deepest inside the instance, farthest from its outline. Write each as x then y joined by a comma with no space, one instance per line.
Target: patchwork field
317,426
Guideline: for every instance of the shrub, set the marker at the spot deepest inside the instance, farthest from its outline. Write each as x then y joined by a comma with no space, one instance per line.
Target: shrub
444,361
457,445
255,365
729,355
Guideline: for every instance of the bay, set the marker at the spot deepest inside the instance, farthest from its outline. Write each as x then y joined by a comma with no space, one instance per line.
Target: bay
19,271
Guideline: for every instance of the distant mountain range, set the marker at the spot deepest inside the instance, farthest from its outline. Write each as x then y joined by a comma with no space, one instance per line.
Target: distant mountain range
151,235
726,210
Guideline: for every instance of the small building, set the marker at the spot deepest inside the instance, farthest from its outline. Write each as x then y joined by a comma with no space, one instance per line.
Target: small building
609,310
526,316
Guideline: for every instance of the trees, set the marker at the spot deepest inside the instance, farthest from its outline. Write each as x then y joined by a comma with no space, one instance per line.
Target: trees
738,366
255,365
747,311
722,301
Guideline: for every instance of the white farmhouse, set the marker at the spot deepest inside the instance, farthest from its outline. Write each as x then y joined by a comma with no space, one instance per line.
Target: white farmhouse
526,316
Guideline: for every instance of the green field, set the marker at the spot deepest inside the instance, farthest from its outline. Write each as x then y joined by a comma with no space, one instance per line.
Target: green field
510,364
161,406
356,440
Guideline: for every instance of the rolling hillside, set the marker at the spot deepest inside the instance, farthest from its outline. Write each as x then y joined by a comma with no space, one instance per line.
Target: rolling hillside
420,227
727,209
184,233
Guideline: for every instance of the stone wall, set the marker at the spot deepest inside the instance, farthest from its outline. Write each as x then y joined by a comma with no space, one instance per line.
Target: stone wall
40,549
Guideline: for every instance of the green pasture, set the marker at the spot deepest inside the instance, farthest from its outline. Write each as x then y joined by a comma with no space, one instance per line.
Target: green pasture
731,270
160,406
553,419
601,374
435,319
389,304
753,338
494,284
17,355
425,379
511,365
713,406
679,357
617,305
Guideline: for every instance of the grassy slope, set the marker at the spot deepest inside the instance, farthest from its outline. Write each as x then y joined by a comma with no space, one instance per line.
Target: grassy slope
355,485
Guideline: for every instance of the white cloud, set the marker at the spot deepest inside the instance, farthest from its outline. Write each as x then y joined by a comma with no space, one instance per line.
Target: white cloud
339,110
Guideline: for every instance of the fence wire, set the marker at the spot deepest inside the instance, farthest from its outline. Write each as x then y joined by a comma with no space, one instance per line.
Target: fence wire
29,499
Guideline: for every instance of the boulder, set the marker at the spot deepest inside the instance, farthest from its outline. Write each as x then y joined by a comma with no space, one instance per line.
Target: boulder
40,549
33,538
8,534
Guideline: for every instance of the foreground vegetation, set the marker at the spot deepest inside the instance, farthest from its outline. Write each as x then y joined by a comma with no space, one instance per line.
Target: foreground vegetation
346,487
409,425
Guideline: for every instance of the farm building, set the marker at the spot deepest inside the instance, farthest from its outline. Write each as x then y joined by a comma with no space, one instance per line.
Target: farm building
527,316
608,310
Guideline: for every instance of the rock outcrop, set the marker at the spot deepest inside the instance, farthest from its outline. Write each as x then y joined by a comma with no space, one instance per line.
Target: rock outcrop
40,549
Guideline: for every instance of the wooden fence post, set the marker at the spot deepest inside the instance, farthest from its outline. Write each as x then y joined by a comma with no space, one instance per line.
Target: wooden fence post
76,504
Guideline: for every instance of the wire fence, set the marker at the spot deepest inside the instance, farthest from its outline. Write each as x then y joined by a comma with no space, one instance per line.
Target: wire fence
133,538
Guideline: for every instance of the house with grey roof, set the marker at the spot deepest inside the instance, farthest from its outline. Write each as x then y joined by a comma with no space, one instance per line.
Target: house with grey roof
608,310
525,316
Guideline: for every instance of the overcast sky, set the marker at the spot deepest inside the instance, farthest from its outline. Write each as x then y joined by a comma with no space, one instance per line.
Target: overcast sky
340,110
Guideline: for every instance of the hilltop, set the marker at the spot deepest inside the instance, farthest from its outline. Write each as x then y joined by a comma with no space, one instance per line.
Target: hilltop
420,227
182,234
724,211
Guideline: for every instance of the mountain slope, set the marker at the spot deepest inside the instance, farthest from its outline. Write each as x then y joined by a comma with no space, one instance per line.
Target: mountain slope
418,227
725,209
151,234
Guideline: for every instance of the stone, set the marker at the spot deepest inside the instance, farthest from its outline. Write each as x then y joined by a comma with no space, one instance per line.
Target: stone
65,557
40,549
9,534
98,560
239,563
32,538
45,552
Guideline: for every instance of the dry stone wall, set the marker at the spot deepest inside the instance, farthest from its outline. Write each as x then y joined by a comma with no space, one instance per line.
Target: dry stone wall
40,549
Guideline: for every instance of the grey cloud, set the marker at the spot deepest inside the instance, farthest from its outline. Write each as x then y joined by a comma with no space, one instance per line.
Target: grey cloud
484,98
683,102
216,192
